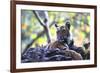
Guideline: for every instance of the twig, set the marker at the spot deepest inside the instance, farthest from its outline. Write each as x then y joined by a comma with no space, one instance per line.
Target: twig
38,18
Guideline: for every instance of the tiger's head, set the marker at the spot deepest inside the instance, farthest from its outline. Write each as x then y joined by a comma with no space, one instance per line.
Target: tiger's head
63,33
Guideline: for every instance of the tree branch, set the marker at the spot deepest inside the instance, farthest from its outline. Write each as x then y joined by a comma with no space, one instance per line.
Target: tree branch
38,18
45,24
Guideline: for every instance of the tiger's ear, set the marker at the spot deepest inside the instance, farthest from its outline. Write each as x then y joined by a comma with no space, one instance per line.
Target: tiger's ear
57,27
67,25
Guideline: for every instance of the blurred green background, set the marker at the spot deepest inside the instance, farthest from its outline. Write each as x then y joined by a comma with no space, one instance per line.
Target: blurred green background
31,28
